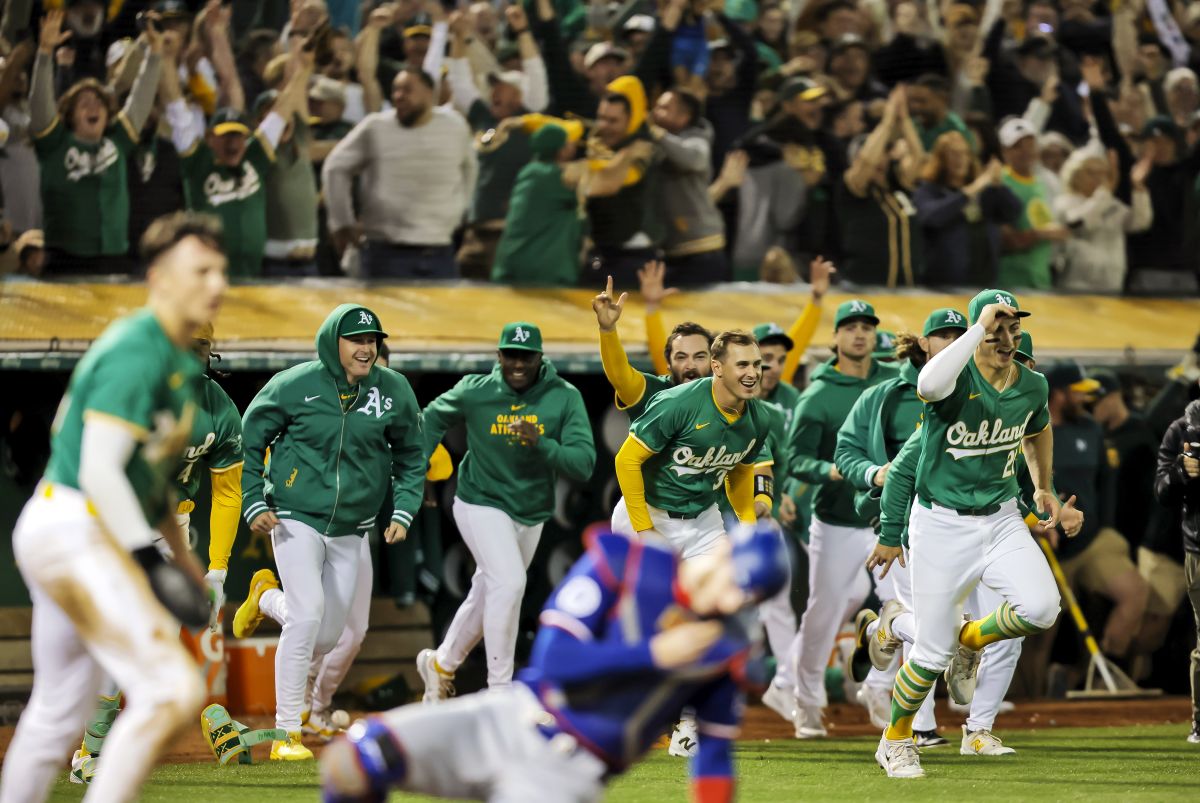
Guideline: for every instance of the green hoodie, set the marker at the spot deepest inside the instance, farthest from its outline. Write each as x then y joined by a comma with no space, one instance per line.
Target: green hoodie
878,425
336,448
823,407
498,470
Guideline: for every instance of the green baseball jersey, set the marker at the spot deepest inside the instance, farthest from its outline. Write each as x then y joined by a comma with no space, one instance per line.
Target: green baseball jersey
135,375
695,446
85,193
972,438
654,386
499,469
216,440
237,195
784,398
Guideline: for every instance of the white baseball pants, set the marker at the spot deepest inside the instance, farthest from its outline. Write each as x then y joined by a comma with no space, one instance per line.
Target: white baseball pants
836,556
93,613
687,537
502,549
488,747
952,554
328,671
320,578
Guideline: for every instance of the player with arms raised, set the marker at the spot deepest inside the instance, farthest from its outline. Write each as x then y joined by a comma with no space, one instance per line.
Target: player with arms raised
115,447
982,408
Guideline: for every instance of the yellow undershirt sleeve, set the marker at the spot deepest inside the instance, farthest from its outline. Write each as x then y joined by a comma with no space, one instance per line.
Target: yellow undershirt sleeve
739,487
801,332
633,486
440,465
656,342
225,515
626,380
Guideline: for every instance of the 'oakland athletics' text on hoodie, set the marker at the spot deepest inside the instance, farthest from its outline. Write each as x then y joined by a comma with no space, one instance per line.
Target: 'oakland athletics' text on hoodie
823,408
336,448
499,470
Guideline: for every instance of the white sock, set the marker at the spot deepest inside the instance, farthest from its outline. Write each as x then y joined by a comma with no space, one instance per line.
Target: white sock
273,604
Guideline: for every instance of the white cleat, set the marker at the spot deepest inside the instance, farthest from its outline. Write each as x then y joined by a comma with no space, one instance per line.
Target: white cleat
882,646
878,703
807,719
983,743
83,767
1005,707
325,725
781,701
899,758
685,741
960,675
439,684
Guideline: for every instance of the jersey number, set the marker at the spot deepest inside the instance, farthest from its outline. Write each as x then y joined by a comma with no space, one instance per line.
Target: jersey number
1010,466
187,471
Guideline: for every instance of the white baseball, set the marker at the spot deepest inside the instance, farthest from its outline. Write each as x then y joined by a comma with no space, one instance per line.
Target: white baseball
339,719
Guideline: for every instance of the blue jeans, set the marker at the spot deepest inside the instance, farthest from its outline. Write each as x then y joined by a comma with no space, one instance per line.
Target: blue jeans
382,260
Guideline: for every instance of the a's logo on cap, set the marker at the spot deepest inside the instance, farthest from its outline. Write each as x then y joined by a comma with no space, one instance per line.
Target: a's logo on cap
858,306
364,317
1003,299
953,317
520,335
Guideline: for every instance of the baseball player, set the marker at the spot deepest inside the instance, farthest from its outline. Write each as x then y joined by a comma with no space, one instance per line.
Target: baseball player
343,432
215,443
878,425
840,538
526,426
329,670
982,408
115,444
628,638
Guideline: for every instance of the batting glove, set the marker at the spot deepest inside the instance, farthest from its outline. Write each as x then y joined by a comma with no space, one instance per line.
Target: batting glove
216,586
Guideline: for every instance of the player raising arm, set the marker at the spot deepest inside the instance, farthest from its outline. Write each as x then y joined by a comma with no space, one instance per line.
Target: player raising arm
965,526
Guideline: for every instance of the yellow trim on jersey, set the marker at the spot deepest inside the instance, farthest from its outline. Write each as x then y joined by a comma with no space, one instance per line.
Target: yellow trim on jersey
137,430
48,129
223,469
729,417
627,381
632,454
1035,434
642,444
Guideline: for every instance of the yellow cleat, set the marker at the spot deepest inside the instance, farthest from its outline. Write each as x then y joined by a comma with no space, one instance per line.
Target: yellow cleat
248,616
291,750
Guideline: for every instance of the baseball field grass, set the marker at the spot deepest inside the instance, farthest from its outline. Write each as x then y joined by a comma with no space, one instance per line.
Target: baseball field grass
1152,763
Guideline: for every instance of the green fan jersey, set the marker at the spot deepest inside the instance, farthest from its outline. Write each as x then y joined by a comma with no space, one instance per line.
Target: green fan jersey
216,439
971,439
135,375
237,195
695,446
654,386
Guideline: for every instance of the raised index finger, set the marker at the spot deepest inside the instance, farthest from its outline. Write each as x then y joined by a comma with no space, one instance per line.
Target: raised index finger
608,288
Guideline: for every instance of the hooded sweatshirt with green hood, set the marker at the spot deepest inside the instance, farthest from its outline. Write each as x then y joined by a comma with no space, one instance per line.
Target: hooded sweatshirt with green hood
878,425
337,449
823,408
499,470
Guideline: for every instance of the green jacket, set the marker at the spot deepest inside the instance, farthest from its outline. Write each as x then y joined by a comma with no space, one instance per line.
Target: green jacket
498,470
336,449
862,440
823,408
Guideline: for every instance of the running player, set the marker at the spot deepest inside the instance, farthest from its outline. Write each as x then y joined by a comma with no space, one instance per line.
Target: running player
216,443
115,445
878,425
840,538
626,640
526,426
965,527
343,432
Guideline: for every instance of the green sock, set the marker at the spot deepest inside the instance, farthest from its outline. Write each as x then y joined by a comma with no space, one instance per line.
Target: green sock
98,726
913,684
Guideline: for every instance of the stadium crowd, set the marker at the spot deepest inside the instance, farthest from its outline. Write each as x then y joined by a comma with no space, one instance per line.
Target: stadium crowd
1033,144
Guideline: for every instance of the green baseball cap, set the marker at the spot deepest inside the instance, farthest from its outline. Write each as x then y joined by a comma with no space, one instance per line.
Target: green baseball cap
767,332
360,321
228,121
521,336
885,345
993,296
1025,349
855,308
944,318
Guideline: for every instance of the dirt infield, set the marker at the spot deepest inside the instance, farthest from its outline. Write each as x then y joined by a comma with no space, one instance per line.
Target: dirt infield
842,719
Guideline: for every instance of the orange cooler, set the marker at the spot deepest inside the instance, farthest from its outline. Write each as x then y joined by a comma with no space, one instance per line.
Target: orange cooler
208,649
251,678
